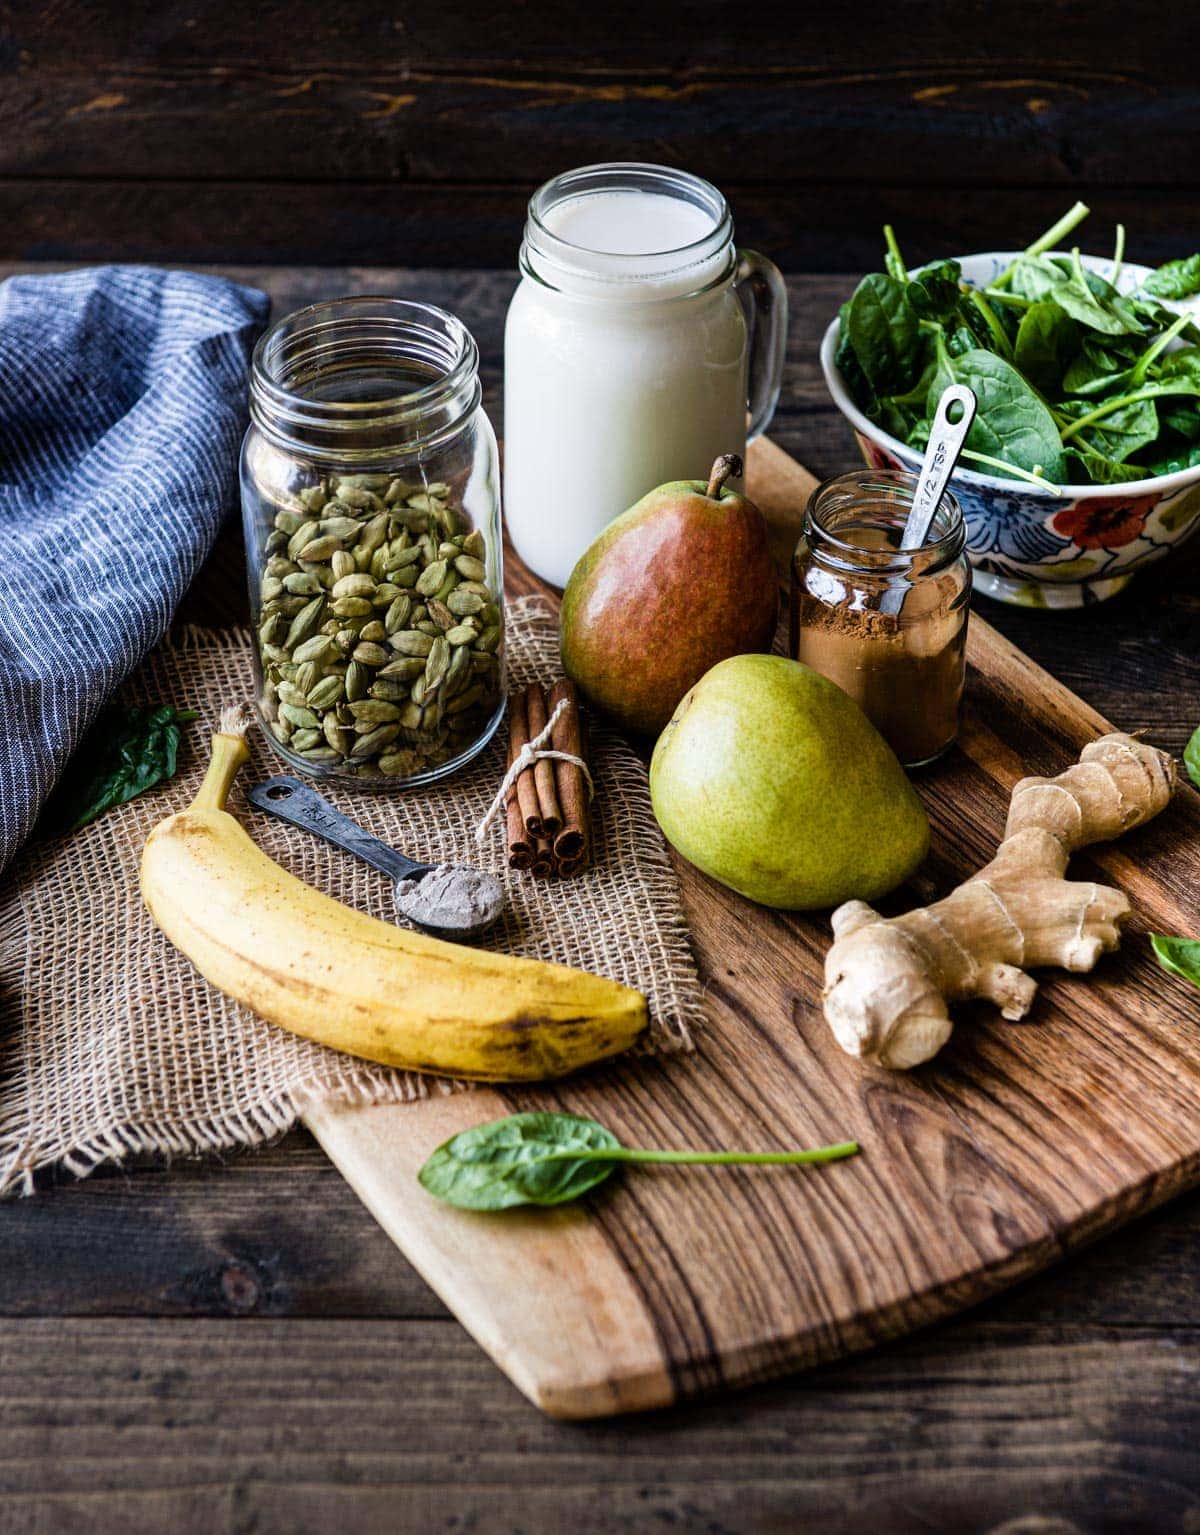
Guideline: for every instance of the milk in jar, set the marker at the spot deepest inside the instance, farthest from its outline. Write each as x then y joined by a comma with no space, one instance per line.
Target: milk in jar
628,357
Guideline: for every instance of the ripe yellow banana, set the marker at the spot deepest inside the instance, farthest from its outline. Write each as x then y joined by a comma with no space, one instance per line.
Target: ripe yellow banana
316,967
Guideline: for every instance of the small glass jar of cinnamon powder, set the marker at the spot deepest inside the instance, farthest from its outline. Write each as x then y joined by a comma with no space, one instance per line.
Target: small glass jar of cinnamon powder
889,626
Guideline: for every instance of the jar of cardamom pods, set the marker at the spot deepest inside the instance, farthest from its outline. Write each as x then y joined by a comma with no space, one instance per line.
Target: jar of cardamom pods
371,504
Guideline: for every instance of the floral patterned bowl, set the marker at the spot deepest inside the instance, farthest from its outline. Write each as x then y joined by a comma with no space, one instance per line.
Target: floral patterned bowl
1029,546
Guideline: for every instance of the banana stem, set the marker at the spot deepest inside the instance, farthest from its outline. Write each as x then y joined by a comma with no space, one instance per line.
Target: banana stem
228,754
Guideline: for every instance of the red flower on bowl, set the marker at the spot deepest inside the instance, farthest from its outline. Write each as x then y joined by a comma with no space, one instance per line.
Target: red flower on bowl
875,456
1104,522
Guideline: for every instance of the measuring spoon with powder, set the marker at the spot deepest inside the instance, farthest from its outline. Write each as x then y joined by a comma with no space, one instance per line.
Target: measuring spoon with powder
947,434
446,901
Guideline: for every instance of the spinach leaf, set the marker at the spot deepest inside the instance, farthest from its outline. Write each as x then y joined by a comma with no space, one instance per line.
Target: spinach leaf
1098,367
1122,432
1191,758
1012,423
1181,956
549,1159
1105,471
1036,277
1094,303
935,292
885,332
127,751
1175,279
1183,364
1046,340
1173,462
847,362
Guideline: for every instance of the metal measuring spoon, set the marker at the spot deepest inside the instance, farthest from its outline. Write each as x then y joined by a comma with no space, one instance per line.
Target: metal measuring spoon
451,903
942,452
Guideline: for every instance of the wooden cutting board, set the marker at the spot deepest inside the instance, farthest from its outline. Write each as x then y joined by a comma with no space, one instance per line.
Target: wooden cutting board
1019,1143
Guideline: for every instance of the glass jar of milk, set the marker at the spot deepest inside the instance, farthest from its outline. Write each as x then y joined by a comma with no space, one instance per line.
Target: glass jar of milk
640,345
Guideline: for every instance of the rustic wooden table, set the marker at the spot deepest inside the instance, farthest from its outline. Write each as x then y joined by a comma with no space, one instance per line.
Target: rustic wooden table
236,1346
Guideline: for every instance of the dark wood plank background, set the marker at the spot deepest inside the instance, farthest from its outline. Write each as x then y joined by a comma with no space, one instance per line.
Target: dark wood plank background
333,132
235,1346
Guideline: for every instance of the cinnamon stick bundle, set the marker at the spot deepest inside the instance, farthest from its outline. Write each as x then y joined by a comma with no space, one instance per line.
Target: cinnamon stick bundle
547,814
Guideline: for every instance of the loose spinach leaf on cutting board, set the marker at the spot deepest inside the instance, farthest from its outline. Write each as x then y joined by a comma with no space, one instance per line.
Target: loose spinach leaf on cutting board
127,751
550,1159
1191,757
1064,363
1181,956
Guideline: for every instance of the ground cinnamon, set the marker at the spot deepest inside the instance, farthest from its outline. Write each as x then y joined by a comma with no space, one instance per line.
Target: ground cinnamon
904,671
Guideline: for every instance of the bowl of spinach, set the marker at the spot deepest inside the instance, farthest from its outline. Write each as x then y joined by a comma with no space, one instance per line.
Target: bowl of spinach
1083,464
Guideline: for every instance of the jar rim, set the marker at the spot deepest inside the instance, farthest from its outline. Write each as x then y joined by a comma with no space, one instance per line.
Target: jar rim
612,268
901,485
392,327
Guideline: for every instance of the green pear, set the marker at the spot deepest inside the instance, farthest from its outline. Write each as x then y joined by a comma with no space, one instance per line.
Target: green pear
773,781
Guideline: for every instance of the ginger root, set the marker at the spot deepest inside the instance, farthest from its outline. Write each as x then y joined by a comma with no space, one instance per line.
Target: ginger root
889,983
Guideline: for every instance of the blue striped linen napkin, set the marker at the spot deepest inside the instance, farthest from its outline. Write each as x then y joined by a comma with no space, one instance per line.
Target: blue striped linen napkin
122,406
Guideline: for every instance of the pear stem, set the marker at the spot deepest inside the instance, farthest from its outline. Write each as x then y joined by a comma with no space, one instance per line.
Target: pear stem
728,464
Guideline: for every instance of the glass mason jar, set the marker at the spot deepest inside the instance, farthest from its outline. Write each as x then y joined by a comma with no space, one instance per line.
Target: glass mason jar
371,505
640,345
889,626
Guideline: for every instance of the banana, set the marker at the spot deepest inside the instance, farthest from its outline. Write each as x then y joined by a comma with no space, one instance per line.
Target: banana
346,980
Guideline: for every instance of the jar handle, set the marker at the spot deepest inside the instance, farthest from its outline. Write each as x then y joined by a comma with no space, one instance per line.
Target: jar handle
760,287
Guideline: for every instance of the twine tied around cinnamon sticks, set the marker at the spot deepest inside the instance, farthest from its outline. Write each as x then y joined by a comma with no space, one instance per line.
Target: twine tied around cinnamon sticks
547,788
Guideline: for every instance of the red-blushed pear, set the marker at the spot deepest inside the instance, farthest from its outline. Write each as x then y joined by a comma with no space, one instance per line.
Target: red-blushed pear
680,581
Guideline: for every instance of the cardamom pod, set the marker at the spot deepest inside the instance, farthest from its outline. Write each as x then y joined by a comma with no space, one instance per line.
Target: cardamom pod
438,664
355,585
327,692
353,607
431,578
374,711
304,623
301,718
391,689
404,667
319,649
318,549
462,602
344,529
411,642
367,745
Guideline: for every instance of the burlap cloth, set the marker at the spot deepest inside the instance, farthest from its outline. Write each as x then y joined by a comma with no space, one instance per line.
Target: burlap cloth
111,1043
